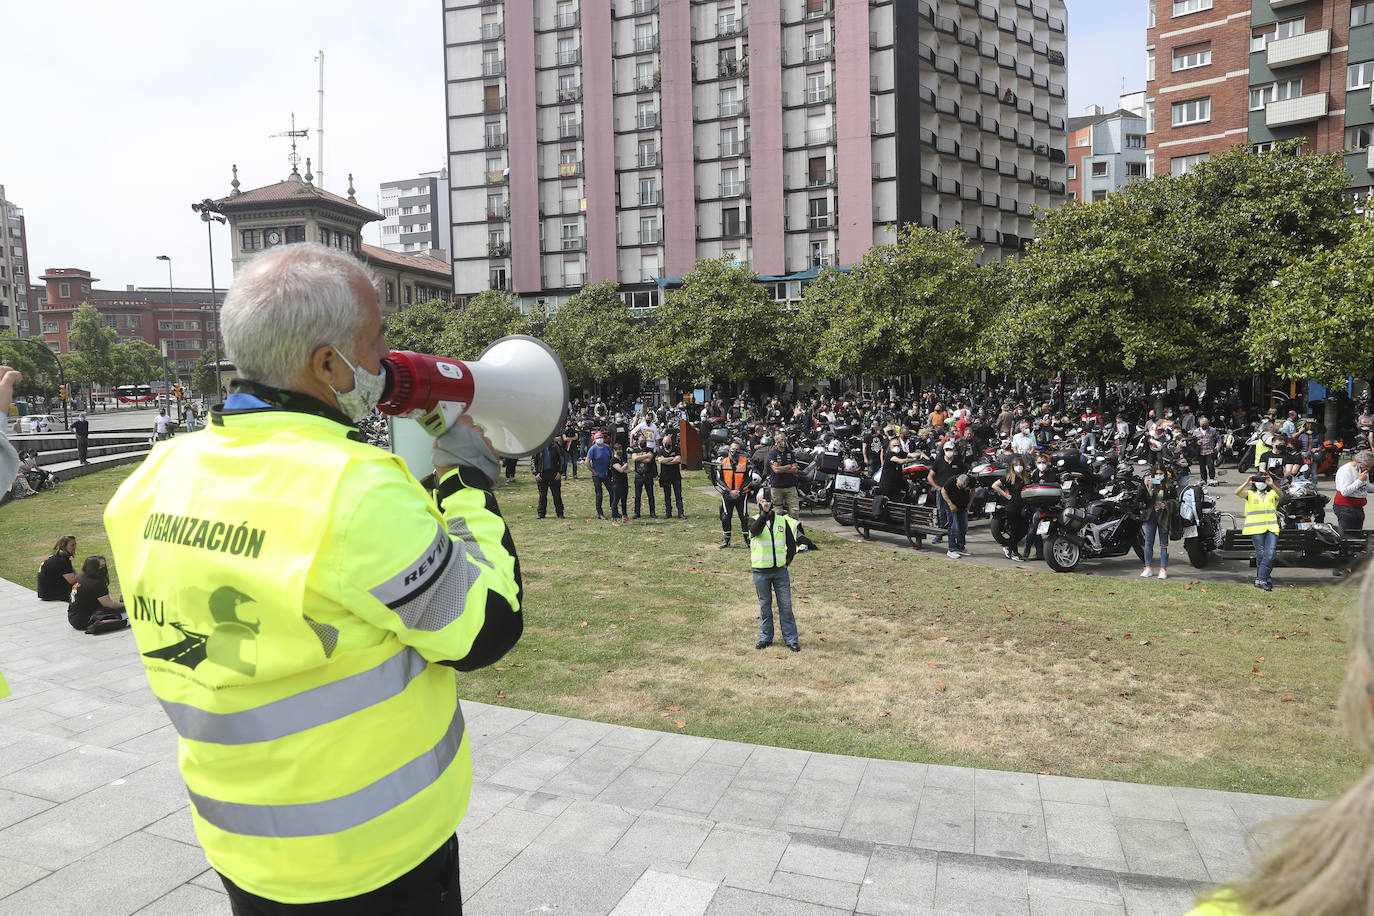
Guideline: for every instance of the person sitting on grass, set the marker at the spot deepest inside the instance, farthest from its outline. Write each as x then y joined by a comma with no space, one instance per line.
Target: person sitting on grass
56,576
1323,865
91,594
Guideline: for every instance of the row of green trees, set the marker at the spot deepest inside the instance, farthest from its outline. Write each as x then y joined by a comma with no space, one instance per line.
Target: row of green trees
1248,263
97,357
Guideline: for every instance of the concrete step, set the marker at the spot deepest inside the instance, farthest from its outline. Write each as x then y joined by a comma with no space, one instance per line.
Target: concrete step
58,456
68,470
44,442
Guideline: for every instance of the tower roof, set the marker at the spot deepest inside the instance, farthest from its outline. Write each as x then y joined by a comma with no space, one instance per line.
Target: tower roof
295,191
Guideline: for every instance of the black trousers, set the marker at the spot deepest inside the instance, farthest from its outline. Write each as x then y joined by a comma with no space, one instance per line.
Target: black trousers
1207,466
620,491
671,487
510,465
644,485
428,889
732,507
600,484
554,485
81,442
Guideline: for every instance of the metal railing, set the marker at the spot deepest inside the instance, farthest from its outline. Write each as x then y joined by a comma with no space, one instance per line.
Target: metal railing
567,20
493,31
646,43
567,58
493,67
496,141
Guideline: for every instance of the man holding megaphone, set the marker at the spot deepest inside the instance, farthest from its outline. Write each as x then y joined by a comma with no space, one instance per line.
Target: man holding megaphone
301,602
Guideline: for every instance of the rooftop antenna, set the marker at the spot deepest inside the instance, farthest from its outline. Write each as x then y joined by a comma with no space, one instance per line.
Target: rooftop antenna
319,129
303,133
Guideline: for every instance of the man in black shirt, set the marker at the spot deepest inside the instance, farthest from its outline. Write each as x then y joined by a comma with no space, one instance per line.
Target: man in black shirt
642,456
82,427
957,493
620,465
949,465
620,431
670,477
55,576
782,463
548,476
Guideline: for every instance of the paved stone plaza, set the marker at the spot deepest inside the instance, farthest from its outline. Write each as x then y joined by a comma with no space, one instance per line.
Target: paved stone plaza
578,817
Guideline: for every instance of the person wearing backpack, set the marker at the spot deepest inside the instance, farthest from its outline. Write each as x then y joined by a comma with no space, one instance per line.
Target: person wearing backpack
91,599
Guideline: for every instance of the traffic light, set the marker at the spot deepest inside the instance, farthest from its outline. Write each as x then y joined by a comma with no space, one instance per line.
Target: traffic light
63,392
176,389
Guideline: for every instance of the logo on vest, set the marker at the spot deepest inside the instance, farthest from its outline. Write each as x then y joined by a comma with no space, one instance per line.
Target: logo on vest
232,643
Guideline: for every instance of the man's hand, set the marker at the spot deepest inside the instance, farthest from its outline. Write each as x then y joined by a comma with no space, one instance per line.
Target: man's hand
734,494
8,379
465,444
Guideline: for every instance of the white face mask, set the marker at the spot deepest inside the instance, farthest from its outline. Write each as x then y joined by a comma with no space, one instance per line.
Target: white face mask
1260,485
1041,467
367,391
1018,468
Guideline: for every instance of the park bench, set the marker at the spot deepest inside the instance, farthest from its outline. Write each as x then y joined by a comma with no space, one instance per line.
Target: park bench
1353,544
913,522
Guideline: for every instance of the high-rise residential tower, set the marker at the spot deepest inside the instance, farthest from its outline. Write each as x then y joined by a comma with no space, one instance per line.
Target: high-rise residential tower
415,213
14,270
625,139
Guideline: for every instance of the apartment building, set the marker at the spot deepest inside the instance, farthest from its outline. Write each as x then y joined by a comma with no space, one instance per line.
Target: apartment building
14,269
415,213
1225,72
624,140
1106,150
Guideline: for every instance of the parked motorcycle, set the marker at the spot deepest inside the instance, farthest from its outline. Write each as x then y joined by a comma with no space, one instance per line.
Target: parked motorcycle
1111,526
1204,526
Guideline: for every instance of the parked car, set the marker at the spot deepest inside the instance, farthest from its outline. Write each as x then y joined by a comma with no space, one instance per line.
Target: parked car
40,423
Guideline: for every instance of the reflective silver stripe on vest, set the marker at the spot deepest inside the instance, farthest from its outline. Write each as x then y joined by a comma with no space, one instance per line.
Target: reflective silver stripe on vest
290,715
345,812
419,575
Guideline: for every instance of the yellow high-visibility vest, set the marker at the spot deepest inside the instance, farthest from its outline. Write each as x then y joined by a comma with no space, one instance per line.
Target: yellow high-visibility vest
768,549
1260,512
286,587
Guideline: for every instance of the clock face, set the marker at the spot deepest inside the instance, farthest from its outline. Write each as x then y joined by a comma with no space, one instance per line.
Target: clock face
273,237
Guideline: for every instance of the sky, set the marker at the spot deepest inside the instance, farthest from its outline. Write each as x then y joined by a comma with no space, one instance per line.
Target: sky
123,114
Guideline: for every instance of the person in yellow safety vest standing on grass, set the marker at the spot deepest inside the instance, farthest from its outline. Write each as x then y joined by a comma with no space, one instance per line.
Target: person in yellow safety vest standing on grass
301,604
1261,523
772,544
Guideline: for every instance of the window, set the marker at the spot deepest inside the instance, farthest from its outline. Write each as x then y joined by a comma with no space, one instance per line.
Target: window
295,234
815,9
1150,15
571,236
491,96
250,240
1358,137
648,192
1149,64
816,89
567,125
64,290
726,62
820,254
1361,14
1149,116
1135,170
1135,141
1274,92
816,171
1358,76
1265,147
818,213
572,273
496,278
726,23
729,222
133,322
567,51
644,75
646,117
1193,111
1285,29
648,230
1182,165
1072,173
567,87
1099,195
729,102
1184,7
648,154
815,46
729,142
645,39
1101,170
729,183
407,293
109,321
1192,56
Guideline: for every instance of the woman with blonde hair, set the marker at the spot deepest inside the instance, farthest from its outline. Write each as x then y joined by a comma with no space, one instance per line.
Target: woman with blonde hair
1324,866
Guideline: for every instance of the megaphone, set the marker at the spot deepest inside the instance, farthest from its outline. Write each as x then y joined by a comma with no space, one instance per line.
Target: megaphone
516,391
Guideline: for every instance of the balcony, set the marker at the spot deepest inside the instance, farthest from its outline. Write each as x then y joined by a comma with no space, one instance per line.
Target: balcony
569,130
727,27
734,189
642,7
729,69
499,215
646,120
567,20
496,141
649,199
493,31
1369,159
494,103
731,109
1280,4
498,249
648,84
821,180
493,67
1299,110
820,95
574,243
646,43
734,150
820,221
568,58
821,259
496,177
1289,52
820,136
569,95
569,169
817,10
654,237
647,160
818,53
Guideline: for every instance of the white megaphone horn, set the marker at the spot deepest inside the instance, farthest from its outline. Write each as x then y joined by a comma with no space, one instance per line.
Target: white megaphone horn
516,391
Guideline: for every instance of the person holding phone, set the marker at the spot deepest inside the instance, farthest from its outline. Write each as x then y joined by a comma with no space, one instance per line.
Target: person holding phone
1261,497
772,545
1157,518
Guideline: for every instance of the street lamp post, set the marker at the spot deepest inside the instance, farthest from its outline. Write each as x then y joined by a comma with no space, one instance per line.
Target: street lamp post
172,307
210,213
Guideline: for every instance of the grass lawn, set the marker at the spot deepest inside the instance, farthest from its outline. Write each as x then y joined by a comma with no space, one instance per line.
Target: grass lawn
904,654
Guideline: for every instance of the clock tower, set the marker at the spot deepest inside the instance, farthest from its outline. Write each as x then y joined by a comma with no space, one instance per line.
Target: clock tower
293,210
